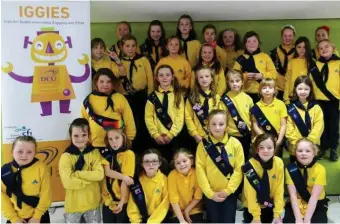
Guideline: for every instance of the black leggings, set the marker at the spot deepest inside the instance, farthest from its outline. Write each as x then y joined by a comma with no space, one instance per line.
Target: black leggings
319,215
267,215
45,218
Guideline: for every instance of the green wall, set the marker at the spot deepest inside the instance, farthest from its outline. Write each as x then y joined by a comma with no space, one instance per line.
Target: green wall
269,31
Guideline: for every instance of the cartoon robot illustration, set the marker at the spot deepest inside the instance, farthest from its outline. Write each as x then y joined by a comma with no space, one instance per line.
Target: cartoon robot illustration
50,81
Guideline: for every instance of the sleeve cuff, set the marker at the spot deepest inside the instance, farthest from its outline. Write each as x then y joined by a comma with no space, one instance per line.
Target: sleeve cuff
276,215
156,135
210,195
37,216
228,191
14,219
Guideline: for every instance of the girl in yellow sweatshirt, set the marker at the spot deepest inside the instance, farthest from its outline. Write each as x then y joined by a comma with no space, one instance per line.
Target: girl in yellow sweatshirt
209,59
154,46
219,158
237,104
254,64
184,193
180,65
322,33
306,182
201,101
137,84
149,198
105,108
115,191
305,117
281,56
81,171
300,64
164,112
186,32
230,41
26,192
326,82
209,35
263,183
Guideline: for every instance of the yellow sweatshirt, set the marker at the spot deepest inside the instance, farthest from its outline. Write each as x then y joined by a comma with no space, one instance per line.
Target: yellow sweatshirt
156,198
191,120
126,161
122,111
296,68
105,62
276,181
155,126
243,103
184,189
194,47
280,78
210,179
264,65
181,67
222,56
333,82
82,187
232,55
142,77
36,181
293,134
316,176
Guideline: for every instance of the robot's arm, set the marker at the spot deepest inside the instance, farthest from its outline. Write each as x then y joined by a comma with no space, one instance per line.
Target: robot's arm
85,76
19,78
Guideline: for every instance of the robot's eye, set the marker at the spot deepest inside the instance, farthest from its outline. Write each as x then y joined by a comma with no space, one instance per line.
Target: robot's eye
58,44
39,45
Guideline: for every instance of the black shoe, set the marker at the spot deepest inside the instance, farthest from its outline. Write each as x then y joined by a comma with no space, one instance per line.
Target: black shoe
321,154
333,155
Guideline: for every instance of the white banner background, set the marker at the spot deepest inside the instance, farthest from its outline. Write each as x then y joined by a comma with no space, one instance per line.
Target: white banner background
19,115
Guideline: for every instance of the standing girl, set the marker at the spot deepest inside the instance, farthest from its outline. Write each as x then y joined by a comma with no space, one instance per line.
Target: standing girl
154,47
322,33
137,83
230,41
201,101
104,108
306,181
300,64
270,114
187,34
184,193
305,116
81,170
115,192
208,59
281,55
26,192
263,183
326,82
238,104
149,199
218,167
254,64
209,35
180,66
164,111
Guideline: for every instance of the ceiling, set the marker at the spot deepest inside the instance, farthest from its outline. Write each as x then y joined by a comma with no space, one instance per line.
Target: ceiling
146,11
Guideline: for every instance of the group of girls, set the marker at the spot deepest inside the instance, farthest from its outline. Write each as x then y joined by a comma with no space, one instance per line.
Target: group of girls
184,102
112,185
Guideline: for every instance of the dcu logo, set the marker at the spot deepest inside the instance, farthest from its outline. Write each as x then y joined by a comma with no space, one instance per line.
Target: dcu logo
47,154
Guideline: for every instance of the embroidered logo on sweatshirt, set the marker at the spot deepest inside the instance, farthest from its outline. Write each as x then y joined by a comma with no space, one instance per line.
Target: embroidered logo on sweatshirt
158,191
34,182
230,155
274,176
180,71
313,179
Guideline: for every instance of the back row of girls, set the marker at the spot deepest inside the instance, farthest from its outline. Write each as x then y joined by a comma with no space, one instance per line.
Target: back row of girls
247,63
214,181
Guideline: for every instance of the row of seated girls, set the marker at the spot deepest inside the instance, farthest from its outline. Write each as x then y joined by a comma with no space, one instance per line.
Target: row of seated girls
117,187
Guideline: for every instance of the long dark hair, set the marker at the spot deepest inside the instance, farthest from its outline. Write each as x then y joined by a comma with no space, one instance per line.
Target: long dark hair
308,51
192,33
306,80
149,42
237,39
